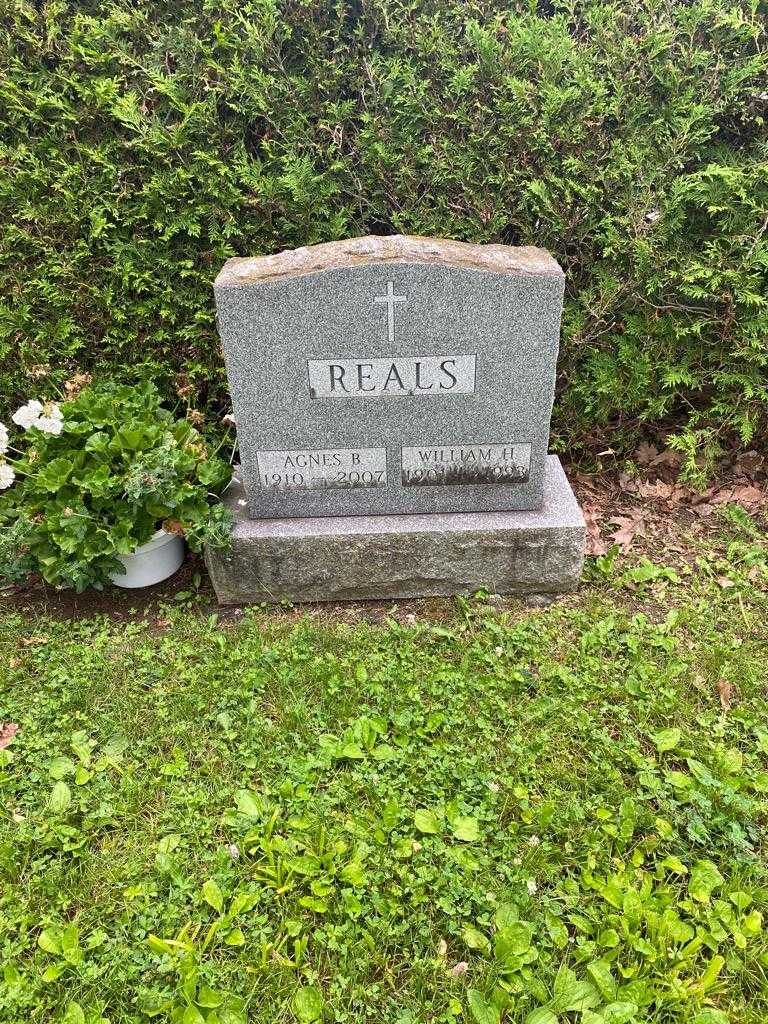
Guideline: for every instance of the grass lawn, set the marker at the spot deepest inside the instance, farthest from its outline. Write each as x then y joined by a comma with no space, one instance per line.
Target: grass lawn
471,813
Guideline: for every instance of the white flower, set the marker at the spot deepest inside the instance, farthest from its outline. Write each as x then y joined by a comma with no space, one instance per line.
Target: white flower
531,886
7,476
48,418
534,841
498,651
28,414
49,424
3,439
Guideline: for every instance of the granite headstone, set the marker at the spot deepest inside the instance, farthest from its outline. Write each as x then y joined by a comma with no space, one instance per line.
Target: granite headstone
387,375
392,398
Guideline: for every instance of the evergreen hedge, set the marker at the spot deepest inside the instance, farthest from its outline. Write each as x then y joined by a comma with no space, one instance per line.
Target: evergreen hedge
144,142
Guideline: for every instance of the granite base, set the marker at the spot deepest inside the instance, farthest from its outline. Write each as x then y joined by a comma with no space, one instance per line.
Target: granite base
356,558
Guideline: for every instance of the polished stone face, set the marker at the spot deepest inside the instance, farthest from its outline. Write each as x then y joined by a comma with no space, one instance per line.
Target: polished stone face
391,375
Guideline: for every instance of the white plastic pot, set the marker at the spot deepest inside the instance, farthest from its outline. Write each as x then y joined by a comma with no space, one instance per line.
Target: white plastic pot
152,562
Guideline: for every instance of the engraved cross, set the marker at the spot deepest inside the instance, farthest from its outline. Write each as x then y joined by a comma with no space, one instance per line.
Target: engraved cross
390,298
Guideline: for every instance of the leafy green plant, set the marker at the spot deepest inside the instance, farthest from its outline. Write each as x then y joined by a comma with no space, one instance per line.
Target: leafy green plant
63,944
100,474
657,951
647,572
190,1001
297,855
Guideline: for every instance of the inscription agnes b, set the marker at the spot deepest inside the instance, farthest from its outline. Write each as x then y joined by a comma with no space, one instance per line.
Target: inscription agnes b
322,469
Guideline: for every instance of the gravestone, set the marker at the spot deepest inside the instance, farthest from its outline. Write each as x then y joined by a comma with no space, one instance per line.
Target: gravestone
392,399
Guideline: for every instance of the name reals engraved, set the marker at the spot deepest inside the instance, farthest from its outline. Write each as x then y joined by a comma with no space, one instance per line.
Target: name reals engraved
451,465
322,469
391,378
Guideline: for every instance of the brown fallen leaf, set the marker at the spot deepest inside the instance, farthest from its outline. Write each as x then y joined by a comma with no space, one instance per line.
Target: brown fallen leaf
748,494
659,489
744,494
458,969
725,692
14,663
750,462
705,510
668,458
31,641
628,483
596,545
628,528
7,731
646,453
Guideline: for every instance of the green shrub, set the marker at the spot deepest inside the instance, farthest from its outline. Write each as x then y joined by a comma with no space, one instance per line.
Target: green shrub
144,143
96,477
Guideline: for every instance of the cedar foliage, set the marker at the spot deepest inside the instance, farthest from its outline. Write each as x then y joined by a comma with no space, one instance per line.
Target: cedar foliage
143,143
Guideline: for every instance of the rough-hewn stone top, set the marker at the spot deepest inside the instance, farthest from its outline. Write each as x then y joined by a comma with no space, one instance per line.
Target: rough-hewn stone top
523,261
